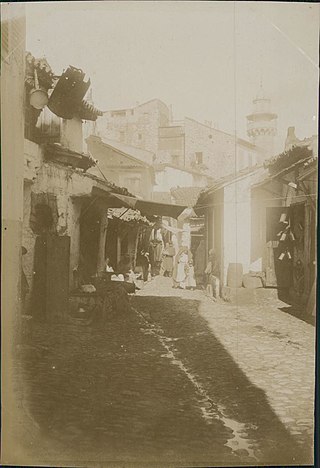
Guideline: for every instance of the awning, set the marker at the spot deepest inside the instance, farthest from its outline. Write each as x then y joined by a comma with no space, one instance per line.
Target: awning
150,208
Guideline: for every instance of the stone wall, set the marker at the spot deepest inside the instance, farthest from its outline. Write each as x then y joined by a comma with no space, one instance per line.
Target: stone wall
61,184
221,153
138,126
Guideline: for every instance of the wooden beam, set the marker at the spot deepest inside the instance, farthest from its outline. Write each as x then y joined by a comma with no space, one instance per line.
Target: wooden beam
306,192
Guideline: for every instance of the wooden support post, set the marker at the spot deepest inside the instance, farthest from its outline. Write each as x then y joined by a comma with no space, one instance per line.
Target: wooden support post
102,241
307,248
306,192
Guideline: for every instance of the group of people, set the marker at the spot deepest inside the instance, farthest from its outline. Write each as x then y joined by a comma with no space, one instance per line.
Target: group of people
187,273
184,271
178,266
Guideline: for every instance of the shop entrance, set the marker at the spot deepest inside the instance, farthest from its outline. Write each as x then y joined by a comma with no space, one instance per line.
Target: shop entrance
89,241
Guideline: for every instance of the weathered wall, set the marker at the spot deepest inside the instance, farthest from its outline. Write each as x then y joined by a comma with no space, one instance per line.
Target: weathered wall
121,169
138,126
261,199
244,225
72,134
237,225
63,183
222,154
12,129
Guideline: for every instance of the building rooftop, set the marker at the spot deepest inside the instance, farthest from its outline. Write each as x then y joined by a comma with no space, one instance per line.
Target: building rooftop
295,155
162,166
186,195
161,197
123,109
229,179
141,155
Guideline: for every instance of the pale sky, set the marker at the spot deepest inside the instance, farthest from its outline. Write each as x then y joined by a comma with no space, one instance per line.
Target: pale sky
206,59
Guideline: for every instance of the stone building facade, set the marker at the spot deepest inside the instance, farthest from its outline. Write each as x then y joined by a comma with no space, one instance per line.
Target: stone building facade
186,144
125,165
137,126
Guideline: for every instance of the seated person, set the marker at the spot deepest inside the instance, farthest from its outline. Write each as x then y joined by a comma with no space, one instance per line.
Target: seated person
108,266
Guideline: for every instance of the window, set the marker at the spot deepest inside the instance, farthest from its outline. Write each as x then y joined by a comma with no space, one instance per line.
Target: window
199,158
175,159
122,136
139,136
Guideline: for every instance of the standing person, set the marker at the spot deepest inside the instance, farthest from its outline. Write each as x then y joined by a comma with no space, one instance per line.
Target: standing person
191,282
212,272
200,263
167,260
143,263
158,255
181,268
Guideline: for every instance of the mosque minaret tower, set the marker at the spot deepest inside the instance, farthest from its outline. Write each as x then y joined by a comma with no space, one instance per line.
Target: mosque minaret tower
262,124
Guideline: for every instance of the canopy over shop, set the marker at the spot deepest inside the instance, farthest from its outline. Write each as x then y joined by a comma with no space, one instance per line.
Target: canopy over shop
113,225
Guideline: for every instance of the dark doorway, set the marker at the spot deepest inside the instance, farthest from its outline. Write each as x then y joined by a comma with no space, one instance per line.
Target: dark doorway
111,247
51,276
124,244
89,241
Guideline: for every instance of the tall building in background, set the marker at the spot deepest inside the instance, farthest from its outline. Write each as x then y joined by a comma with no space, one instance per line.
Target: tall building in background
137,126
186,144
262,124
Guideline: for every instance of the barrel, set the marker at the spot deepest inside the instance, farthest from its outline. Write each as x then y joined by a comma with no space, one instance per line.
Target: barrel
235,275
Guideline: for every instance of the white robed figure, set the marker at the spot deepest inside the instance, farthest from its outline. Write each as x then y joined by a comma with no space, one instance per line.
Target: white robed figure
182,268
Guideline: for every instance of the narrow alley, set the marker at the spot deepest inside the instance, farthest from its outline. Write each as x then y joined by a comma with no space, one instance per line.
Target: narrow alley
160,222
174,378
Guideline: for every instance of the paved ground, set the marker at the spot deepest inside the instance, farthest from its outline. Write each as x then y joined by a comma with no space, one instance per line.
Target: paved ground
175,378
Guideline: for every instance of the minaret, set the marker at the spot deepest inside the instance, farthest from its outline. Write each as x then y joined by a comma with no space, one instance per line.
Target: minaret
262,124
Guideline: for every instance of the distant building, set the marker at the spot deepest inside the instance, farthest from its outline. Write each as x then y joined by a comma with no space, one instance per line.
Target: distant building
124,165
187,144
292,140
198,146
168,176
138,126
262,125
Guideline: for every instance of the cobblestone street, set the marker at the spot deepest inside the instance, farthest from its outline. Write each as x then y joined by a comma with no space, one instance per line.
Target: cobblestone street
175,378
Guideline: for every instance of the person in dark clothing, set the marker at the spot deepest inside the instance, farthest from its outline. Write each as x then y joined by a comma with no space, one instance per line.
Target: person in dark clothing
143,262
212,273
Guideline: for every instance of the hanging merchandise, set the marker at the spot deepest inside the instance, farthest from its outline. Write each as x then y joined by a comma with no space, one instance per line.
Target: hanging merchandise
286,236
